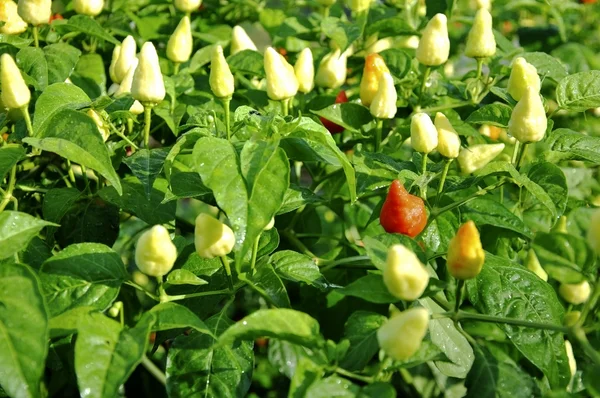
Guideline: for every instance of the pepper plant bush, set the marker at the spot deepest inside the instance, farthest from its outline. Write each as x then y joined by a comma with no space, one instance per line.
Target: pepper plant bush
232,138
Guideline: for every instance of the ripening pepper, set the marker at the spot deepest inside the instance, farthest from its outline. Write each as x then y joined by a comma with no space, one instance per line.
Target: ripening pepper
125,58
304,69
369,84
448,140
465,254
533,264
402,213
113,63
333,128
281,78
332,70
434,46
240,41
212,238
384,102
35,12
401,336
522,75
155,253
477,156
404,275
15,93
103,128
179,46
221,79
125,86
357,6
13,23
528,121
148,85
423,134
88,7
480,41
187,6
571,358
575,293
593,234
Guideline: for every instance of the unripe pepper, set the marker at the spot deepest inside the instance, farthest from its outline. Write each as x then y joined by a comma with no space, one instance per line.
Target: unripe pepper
179,47
593,234
326,3
88,7
212,238
384,102
35,12
332,70
187,6
434,46
528,120
465,254
369,84
575,293
402,213
477,4
13,23
240,41
15,93
148,85
571,318
221,79
522,76
480,41
103,128
477,156
113,63
333,128
125,86
423,134
571,358
304,69
401,336
136,108
155,253
270,225
404,275
358,6
281,78
533,264
125,58
448,140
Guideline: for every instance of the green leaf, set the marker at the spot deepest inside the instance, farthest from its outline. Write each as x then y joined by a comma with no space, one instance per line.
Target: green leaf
444,334
348,115
32,61
61,59
298,267
509,290
281,323
287,357
568,144
344,33
305,374
68,322
386,27
550,187
247,62
546,65
74,136
493,114
146,165
399,62
379,389
579,92
361,329
10,155
24,331
89,74
196,367
427,352
106,354
268,284
53,100
487,211
333,386
58,201
85,274
565,257
438,7
87,25
16,230
369,288
497,377
296,197
184,277
169,316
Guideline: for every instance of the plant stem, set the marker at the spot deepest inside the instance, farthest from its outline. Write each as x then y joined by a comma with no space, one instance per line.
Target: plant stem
329,265
378,134
162,295
462,315
226,103
459,290
515,153
176,68
36,41
424,78
70,171
521,153
85,178
254,253
200,294
11,186
154,370
479,67
285,106
448,106
443,180
147,121
27,117
423,171
291,237
141,289
437,212
225,262
344,372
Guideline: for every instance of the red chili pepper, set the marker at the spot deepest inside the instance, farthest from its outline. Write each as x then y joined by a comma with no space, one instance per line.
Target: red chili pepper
55,17
331,126
403,213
